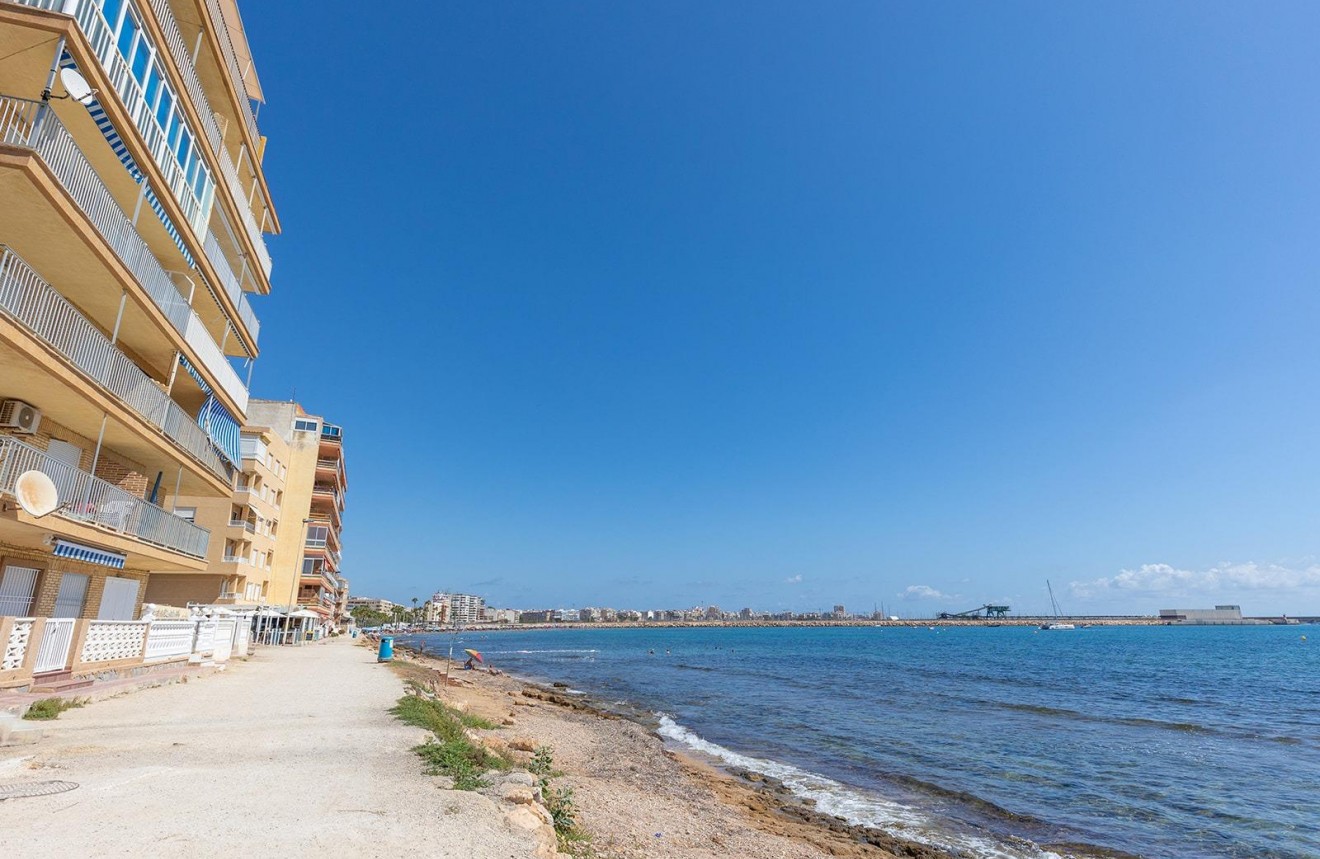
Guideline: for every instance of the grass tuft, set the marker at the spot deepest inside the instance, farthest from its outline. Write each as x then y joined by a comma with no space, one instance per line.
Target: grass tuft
451,752
50,708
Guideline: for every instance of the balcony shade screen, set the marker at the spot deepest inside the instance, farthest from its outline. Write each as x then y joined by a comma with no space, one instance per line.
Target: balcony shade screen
220,425
88,554
121,152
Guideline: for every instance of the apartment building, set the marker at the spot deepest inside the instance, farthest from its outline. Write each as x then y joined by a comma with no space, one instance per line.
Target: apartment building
243,527
306,572
131,242
458,608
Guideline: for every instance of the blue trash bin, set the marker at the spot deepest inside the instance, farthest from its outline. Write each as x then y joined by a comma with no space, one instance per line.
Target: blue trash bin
386,652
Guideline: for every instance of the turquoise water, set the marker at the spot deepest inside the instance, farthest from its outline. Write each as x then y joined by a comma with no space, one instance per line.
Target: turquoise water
1158,741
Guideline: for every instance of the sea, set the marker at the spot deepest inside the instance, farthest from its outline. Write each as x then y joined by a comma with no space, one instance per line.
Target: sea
991,742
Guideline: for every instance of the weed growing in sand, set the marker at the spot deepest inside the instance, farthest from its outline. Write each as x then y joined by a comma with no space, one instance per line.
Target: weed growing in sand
558,800
50,708
451,752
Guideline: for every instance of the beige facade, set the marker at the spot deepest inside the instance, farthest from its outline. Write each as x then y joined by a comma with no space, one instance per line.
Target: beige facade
129,252
307,571
244,529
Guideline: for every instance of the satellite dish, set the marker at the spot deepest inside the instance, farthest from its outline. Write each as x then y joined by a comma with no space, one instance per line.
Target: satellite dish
76,86
36,494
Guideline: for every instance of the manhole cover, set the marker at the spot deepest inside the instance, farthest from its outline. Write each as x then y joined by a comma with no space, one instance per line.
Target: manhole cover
34,788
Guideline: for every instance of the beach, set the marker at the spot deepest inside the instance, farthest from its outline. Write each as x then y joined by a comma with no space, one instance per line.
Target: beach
636,798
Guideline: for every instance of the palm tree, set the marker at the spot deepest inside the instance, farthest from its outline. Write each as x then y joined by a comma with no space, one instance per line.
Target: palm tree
414,599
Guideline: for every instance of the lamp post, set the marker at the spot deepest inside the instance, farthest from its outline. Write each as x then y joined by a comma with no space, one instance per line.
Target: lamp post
293,584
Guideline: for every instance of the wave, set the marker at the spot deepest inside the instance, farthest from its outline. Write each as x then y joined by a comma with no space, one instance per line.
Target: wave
524,652
856,806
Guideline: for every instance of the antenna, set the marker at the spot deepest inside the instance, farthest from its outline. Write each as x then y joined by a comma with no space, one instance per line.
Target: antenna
36,494
75,87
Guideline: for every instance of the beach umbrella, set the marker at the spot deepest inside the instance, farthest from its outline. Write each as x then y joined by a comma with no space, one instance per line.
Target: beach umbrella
475,655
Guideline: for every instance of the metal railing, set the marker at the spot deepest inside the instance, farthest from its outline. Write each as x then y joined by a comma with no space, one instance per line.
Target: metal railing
39,308
230,282
31,124
94,27
89,499
187,70
231,62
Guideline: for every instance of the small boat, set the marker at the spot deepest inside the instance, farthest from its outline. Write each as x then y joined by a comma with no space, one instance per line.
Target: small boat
1056,624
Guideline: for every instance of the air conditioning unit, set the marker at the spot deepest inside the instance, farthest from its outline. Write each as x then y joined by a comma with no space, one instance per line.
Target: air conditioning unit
20,416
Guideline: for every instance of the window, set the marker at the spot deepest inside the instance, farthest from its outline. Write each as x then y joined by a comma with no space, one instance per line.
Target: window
189,513
301,425
317,535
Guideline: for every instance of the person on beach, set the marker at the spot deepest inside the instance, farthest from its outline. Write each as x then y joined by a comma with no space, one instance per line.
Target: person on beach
469,665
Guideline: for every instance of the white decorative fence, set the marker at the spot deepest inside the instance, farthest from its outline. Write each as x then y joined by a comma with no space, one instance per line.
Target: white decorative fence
109,640
170,639
224,640
35,646
16,645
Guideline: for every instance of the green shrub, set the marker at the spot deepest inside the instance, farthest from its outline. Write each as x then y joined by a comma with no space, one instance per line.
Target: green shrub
451,752
50,708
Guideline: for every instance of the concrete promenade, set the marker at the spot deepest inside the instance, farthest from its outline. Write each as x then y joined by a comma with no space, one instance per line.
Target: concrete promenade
290,753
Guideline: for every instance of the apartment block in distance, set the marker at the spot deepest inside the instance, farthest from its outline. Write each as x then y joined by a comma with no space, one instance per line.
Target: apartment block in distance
132,211
307,573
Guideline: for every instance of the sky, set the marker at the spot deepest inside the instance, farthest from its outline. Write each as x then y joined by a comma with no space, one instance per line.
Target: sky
783,305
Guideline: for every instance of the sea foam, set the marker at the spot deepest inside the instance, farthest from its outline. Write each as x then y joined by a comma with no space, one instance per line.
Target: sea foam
857,806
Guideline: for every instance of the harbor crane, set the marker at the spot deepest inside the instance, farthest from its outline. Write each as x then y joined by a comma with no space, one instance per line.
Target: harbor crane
998,611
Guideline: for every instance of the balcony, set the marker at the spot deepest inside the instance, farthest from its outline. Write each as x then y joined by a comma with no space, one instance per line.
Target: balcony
93,501
38,308
30,125
183,61
194,197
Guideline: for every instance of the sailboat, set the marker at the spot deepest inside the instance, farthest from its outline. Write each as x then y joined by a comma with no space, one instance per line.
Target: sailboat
1056,624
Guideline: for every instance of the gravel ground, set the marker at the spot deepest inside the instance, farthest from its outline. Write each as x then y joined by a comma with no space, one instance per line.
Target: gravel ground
290,753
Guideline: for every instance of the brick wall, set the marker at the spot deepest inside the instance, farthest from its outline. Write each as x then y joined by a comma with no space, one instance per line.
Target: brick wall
111,467
52,570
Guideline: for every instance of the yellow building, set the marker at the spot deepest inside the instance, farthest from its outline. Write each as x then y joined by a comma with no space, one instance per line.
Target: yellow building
306,573
132,211
244,528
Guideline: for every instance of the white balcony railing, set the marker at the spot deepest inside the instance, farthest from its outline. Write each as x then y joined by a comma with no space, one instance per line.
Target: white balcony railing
87,13
184,63
39,308
30,124
94,501
196,209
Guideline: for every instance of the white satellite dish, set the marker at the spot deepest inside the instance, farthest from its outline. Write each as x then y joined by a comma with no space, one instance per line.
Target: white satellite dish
36,494
76,86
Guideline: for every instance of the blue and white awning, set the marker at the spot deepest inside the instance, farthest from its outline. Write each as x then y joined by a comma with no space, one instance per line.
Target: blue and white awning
121,152
89,554
224,431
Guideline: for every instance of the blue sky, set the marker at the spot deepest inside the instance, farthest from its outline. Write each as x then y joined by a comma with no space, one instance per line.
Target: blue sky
789,304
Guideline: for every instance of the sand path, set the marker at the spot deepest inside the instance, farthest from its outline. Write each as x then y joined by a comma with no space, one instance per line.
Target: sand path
290,753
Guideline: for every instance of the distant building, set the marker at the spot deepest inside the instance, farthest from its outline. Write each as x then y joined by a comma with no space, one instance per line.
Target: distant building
839,613
460,608
1220,615
714,613
384,606
542,616
745,614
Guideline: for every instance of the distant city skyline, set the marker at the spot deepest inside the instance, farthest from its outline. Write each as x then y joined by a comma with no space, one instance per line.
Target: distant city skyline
864,302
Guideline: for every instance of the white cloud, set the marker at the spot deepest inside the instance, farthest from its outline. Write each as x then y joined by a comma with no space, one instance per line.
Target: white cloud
922,592
793,580
1166,579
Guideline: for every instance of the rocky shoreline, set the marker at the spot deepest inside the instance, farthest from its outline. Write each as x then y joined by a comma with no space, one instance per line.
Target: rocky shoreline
638,798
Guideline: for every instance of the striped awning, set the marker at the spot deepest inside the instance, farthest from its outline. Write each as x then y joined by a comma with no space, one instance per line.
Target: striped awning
197,377
89,554
222,428
121,152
